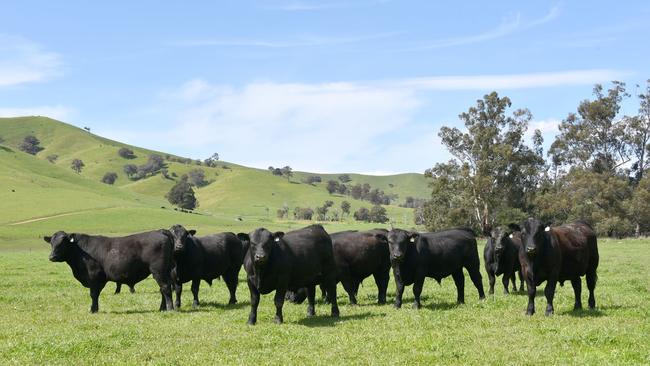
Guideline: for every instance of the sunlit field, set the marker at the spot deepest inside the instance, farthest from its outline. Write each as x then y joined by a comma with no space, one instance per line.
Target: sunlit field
46,319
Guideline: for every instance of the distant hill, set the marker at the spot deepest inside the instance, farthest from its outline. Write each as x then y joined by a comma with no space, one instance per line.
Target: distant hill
33,188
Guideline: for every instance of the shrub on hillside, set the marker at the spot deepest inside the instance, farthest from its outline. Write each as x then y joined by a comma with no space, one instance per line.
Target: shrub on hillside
30,145
77,165
300,213
182,195
109,178
126,153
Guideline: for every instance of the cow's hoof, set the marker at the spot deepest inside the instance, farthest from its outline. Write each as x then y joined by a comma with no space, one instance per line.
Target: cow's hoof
416,306
311,312
397,306
278,320
529,313
335,314
232,302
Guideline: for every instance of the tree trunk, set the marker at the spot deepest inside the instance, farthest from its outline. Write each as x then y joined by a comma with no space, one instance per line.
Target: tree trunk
637,230
486,221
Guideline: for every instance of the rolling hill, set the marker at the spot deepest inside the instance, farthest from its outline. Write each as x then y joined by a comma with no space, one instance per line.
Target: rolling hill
41,197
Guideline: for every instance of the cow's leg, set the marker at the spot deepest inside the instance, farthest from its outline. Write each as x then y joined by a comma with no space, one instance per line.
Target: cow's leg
323,293
311,300
331,295
348,285
459,280
417,291
255,301
95,290
549,292
381,280
196,284
231,282
505,280
118,288
399,291
513,278
532,291
591,285
132,289
521,280
577,291
279,302
165,283
477,280
178,287
491,280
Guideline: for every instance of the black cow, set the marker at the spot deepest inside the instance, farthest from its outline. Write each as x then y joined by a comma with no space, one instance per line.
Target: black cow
301,258
206,258
358,255
501,256
437,255
118,288
95,260
555,254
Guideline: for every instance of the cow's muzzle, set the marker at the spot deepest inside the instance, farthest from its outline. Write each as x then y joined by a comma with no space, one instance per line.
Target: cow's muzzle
397,258
260,259
531,251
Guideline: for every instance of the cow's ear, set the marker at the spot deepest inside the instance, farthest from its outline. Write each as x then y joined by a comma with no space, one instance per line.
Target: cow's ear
413,237
243,237
192,232
72,238
514,227
47,239
278,235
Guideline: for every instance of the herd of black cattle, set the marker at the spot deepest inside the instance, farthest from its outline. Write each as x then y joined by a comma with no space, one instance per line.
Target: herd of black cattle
293,264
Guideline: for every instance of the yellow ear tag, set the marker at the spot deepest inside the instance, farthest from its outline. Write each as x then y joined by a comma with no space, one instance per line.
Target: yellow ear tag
277,239
548,228
71,240
511,236
412,240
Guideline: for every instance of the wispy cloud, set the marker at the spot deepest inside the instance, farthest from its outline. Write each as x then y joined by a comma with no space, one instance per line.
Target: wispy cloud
296,42
23,61
513,81
508,26
325,127
58,112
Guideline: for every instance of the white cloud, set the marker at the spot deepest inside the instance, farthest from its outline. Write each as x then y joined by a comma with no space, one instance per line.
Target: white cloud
514,81
22,61
327,127
57,112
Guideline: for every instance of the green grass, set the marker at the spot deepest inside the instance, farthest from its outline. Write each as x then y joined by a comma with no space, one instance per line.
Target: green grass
46,320
45,311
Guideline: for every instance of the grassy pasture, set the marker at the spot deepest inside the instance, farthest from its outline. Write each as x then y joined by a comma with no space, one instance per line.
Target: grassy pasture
46,320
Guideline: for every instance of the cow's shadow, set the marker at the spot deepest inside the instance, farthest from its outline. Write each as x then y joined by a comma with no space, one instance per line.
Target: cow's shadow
328,321
584,313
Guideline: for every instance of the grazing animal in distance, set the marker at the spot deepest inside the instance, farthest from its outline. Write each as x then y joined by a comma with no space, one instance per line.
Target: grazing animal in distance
560,253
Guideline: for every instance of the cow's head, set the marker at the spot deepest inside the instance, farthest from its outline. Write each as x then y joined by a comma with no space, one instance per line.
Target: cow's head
180,235
398,242
62,244
261,243
533,235
501,237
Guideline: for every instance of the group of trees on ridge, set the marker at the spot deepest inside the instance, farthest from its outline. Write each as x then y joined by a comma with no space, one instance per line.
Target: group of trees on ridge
594,170
327,212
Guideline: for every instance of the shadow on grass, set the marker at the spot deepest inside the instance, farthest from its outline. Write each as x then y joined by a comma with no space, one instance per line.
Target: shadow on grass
222,305
584,313
441,305
328,321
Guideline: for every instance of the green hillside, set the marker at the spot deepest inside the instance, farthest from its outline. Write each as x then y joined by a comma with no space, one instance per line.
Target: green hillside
40,197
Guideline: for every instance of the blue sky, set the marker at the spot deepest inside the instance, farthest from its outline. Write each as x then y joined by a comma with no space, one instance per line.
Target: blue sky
327,86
